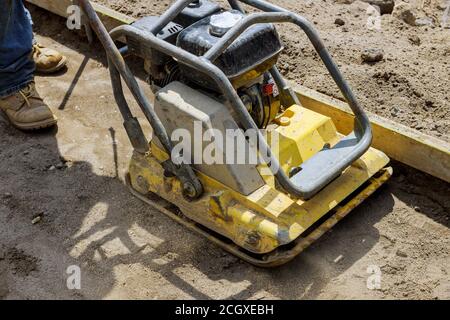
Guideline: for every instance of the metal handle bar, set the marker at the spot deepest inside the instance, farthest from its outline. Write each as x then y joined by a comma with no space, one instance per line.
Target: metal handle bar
313,177
192,187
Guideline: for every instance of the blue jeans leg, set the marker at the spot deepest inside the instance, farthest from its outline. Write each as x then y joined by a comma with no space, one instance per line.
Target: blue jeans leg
16,38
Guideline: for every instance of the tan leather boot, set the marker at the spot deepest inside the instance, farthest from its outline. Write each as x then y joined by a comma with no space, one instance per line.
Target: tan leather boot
47,60
26,110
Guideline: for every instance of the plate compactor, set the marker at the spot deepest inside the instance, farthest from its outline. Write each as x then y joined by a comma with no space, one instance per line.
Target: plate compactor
213,70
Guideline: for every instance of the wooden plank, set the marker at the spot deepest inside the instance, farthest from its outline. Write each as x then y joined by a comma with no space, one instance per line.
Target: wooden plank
109,17
399,142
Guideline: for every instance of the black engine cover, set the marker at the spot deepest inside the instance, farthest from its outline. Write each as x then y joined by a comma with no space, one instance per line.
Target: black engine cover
254,52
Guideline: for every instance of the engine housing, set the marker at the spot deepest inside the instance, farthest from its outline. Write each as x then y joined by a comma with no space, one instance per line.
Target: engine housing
253,53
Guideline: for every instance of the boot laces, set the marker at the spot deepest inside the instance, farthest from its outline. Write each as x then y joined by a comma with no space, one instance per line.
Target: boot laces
27,93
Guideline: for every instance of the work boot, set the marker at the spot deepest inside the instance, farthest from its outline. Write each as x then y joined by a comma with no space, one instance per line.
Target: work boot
47,60
26,110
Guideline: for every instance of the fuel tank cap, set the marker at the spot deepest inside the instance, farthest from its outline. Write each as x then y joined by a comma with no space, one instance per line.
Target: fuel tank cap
221,23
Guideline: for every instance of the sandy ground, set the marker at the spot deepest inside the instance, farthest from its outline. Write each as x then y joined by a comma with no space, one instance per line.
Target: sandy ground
73,179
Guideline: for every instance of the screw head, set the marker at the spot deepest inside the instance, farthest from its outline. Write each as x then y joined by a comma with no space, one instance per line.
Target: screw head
189,190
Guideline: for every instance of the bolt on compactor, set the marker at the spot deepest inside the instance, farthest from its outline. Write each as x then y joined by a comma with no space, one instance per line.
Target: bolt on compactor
213,70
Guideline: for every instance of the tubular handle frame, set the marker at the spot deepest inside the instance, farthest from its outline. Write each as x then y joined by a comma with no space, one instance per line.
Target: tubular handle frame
204,64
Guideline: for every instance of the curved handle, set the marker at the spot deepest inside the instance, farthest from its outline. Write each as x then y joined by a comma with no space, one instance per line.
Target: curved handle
318,171
327,164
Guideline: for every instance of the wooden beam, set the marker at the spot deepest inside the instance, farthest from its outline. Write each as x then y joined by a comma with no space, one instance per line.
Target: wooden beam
399,142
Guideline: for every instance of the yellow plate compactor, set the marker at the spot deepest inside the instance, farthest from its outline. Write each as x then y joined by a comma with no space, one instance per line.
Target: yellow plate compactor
234,155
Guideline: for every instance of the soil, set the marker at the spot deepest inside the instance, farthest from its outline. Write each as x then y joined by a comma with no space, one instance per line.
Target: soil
72,178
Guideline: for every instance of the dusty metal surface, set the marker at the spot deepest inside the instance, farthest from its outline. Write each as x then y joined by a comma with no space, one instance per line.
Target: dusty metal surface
281,255
267,218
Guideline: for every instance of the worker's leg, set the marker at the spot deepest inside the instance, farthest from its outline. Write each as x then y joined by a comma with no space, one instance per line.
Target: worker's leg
16,42
18,97
28,14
